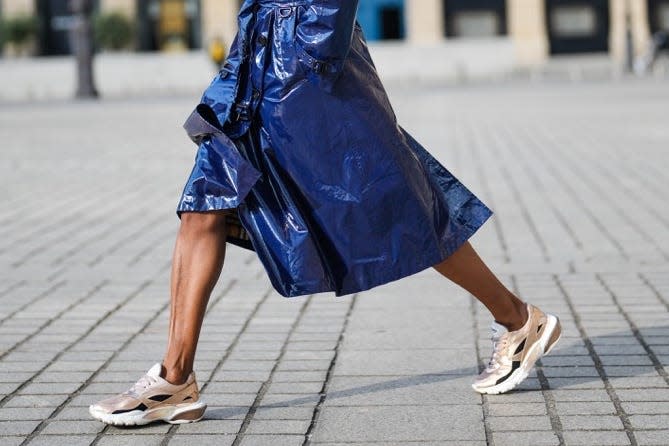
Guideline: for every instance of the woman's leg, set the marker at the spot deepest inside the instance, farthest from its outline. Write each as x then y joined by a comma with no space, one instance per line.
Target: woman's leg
196,266
466,269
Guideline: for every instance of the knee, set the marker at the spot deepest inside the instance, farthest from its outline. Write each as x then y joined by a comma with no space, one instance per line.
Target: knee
199,222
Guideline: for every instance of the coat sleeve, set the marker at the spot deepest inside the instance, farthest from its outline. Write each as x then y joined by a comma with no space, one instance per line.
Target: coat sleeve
326,30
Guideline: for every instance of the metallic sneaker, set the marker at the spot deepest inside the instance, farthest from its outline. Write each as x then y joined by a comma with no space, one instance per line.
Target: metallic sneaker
152,399
515,353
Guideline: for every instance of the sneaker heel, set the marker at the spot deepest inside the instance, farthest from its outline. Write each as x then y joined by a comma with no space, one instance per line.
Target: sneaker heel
555,336
188,416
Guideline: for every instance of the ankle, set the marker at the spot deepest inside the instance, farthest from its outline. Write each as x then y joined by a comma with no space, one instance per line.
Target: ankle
174,376
517,319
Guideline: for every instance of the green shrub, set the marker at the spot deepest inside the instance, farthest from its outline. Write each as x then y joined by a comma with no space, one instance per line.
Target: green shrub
18,30
113,31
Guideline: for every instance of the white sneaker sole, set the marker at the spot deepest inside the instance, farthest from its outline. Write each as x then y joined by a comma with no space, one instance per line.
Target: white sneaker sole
542,347
175,414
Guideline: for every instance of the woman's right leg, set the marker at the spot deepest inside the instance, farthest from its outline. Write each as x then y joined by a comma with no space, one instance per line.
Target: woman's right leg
168,391
196,266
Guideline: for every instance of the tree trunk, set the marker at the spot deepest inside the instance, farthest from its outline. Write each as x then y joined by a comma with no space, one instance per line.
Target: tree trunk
82,41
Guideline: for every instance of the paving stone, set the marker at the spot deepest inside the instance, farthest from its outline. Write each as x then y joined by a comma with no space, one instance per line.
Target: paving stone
272,440
233,387
283,413
407,423
583,438
11,441
297,388
131,440
58,440
203,440
36,400
501,410
649,421
519,423
154,428
17,427
591,422
27,414
643,395
641,407
537,438
279,427
400,390
652,438
211,427
73,427
585,408
580,395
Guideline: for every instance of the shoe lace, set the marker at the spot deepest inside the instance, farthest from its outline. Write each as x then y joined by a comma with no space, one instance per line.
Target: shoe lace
500,344
140,386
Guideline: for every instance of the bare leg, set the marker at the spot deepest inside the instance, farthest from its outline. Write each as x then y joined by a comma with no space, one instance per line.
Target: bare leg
196,266
466,269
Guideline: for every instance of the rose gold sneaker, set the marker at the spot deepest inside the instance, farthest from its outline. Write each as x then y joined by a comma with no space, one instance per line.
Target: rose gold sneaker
515,353
152,399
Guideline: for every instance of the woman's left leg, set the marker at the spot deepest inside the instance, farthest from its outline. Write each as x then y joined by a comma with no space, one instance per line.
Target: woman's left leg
521,333
465,268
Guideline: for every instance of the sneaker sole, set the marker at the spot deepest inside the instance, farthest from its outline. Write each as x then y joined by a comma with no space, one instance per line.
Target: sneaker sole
178,414
540,348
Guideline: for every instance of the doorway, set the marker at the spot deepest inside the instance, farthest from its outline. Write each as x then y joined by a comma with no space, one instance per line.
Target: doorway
169,25
658,17
56,20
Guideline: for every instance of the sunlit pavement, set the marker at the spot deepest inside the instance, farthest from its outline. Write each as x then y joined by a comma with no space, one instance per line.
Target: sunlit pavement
577,175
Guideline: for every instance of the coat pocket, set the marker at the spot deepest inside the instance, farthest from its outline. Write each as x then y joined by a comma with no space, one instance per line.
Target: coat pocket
323,34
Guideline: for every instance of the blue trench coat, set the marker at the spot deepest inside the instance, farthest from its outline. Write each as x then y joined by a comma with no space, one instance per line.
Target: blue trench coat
297,136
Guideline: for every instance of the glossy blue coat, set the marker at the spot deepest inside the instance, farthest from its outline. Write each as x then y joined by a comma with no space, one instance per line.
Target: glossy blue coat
296,133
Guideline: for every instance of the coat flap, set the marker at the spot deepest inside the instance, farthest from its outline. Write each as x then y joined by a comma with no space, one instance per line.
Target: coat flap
198,126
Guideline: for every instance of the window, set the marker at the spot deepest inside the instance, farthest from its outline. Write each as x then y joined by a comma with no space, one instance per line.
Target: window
574,21
663,16
475,18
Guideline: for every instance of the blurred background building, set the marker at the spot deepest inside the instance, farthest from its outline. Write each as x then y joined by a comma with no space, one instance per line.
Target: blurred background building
535,29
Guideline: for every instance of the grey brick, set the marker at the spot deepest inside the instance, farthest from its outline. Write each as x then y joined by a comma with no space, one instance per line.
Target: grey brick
212,427
587,438
591,422
272,440
499,410
234,387
649,421
36,400
586,408
49,388
519,423
538,438
279,427
24,414
283,413
131,440
650,408
580,395
64,440
11,441
73,427
295,387
652,438
408,423
203,440
643,395
17,427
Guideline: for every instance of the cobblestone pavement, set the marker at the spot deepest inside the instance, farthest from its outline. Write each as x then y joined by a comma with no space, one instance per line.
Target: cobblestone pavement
577,174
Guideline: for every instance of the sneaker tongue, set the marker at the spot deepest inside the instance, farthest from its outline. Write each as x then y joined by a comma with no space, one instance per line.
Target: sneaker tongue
498,329
155,370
